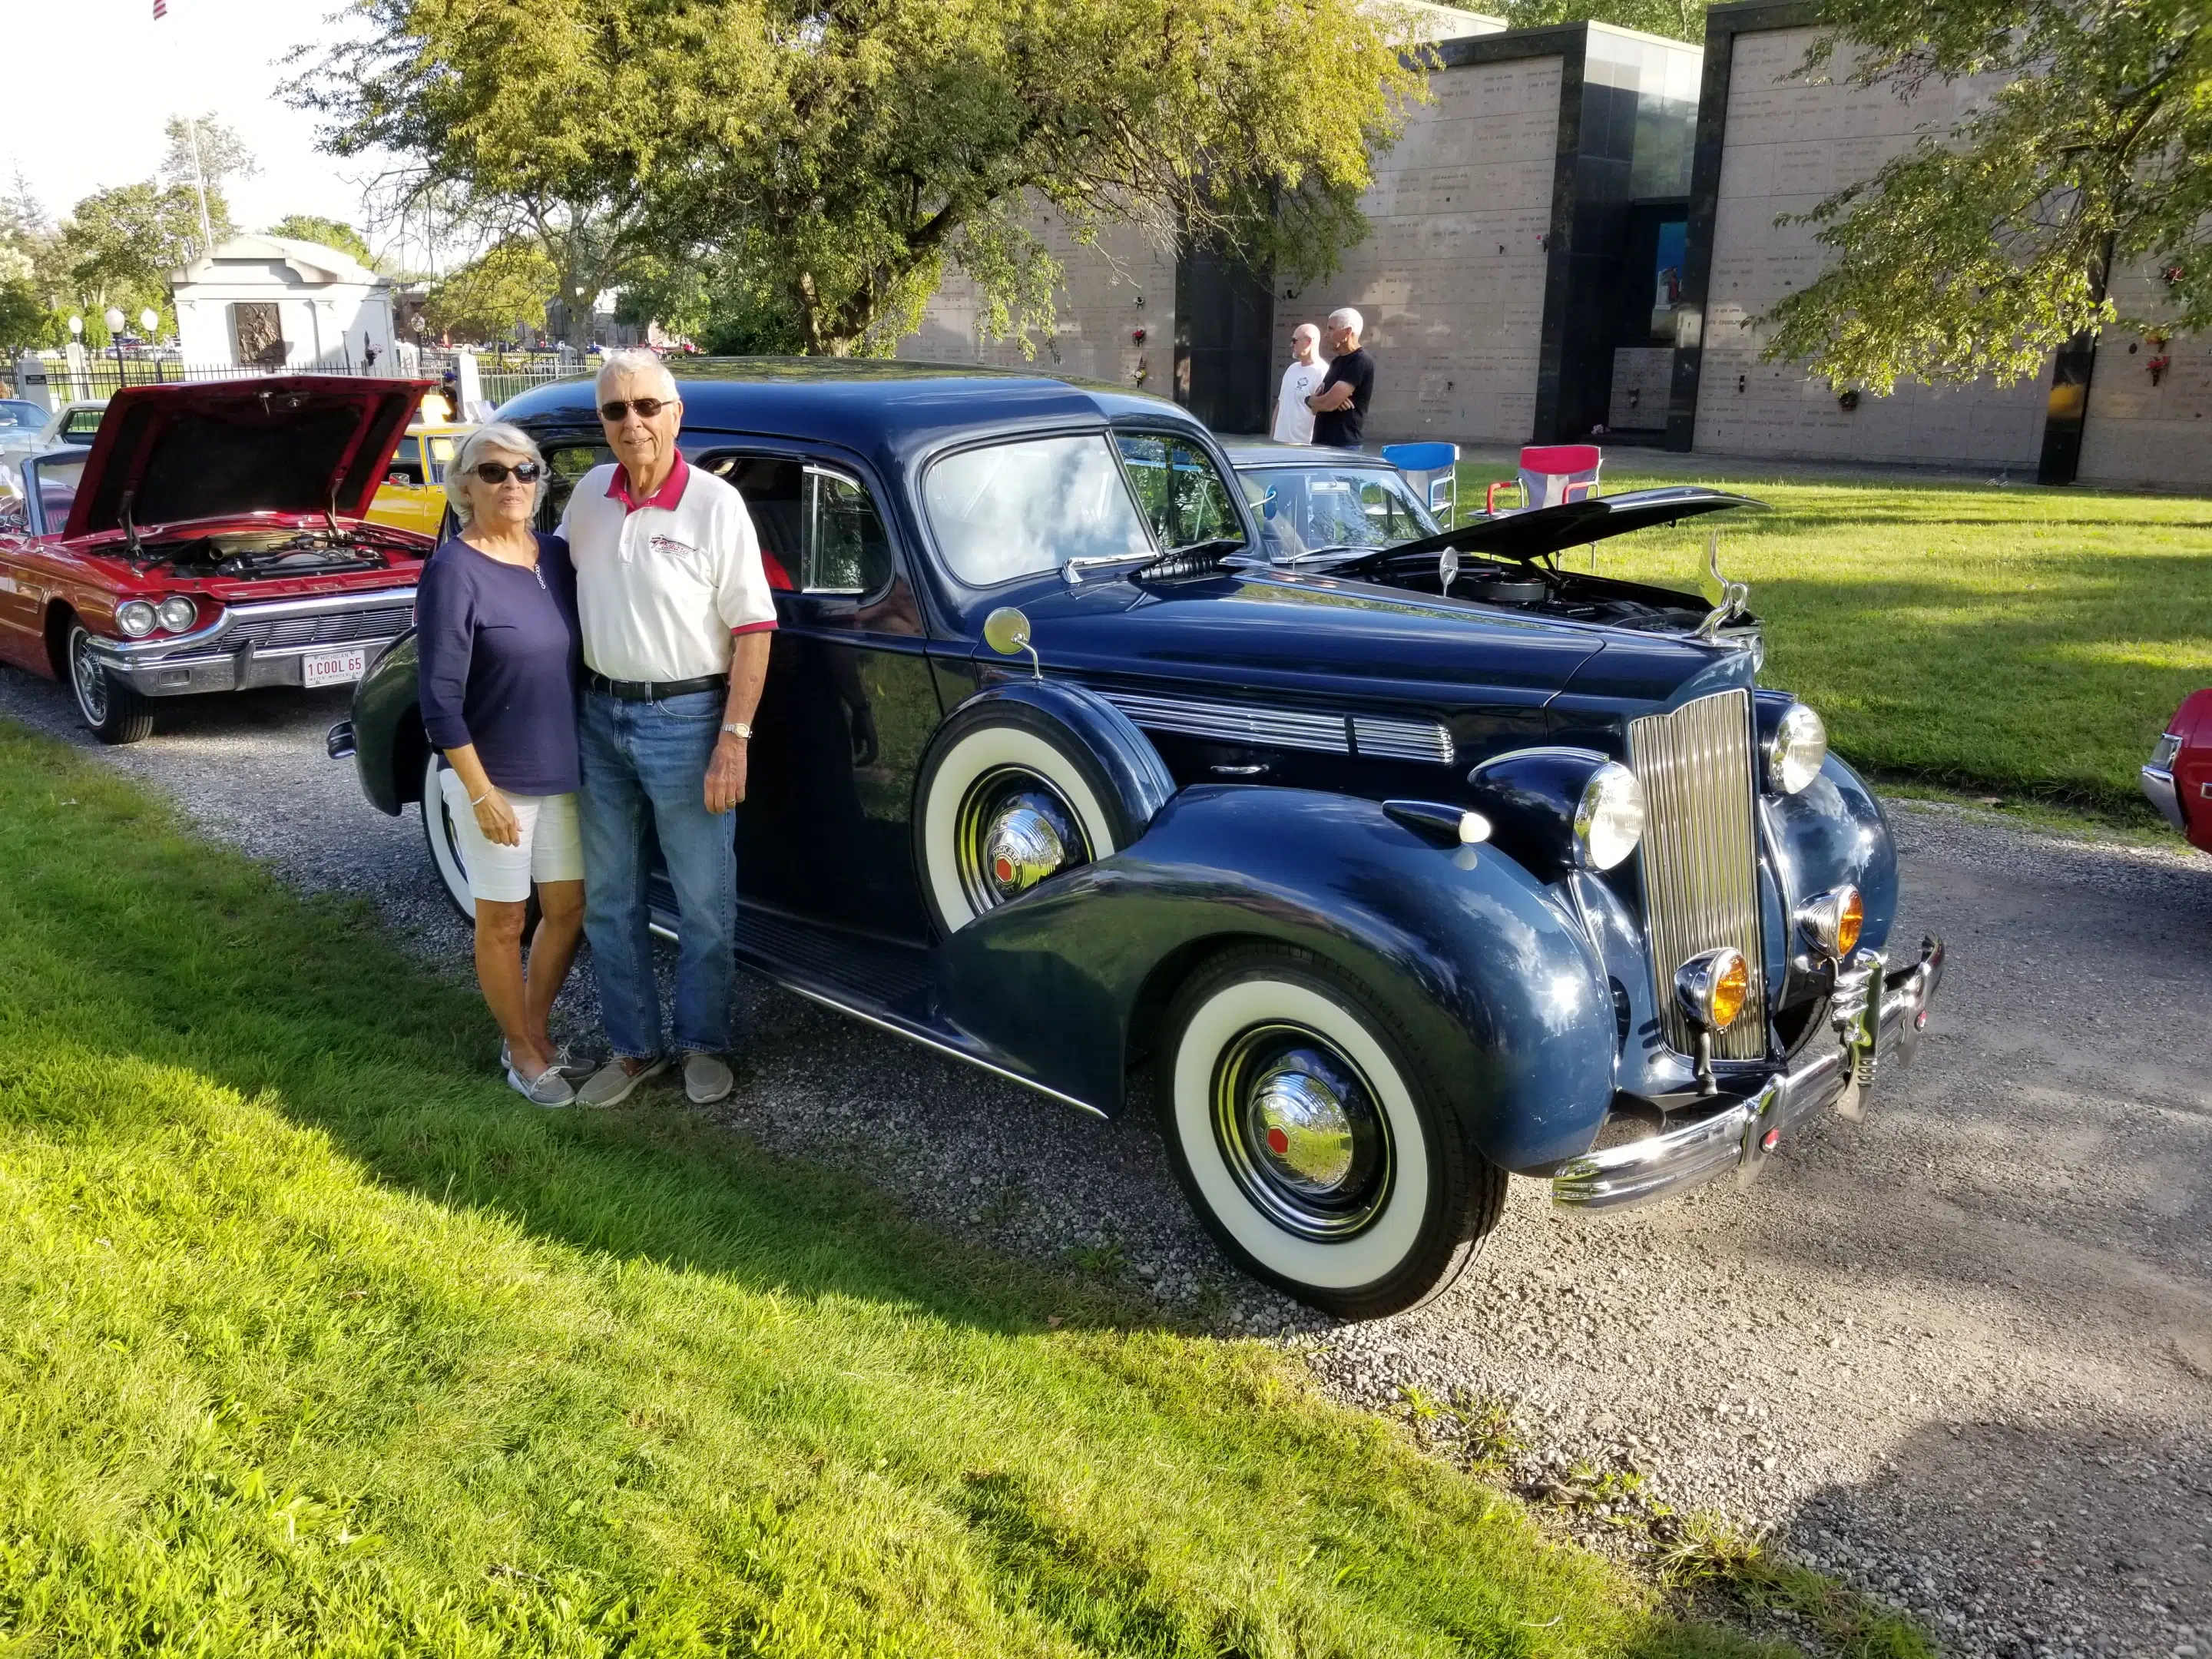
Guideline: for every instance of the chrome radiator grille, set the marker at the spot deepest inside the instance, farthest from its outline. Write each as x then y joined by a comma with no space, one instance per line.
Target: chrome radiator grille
1700,854
337,628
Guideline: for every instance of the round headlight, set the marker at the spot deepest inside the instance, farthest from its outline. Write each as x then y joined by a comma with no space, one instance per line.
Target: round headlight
179,613
1711,988
1609,819
1799,745
135,618
1831,921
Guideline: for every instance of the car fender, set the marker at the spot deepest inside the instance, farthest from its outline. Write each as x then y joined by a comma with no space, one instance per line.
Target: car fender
1830,832
389,746
1480,963
1133,766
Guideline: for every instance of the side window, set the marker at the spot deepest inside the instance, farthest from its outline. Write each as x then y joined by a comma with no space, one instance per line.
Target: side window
1009,510
83,425
1182,495
407,461
846,551
818,531
564,465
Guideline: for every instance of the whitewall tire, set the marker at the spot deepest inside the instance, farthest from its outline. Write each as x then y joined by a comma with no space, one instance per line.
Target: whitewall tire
1311,1139
1008,797
444,845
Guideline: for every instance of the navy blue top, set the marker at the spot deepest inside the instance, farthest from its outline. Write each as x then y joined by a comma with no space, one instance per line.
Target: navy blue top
501,659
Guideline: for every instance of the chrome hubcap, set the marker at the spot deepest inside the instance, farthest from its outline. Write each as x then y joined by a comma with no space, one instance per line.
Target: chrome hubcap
91,679
1300,1130
1013,831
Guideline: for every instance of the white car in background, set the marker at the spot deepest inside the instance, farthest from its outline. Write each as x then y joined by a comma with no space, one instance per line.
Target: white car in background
25,428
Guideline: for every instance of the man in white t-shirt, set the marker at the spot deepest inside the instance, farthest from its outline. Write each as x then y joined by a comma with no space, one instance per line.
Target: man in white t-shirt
1294,422
675,612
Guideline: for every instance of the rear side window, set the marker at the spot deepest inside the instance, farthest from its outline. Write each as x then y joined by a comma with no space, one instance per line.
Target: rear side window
564,465
817,528
1019,509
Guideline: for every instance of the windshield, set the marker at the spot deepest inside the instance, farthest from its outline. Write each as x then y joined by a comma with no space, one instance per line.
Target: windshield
1310,509
17,417
1017,509
55,483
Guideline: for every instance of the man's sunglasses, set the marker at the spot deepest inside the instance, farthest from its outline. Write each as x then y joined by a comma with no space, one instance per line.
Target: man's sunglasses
617,411
495,472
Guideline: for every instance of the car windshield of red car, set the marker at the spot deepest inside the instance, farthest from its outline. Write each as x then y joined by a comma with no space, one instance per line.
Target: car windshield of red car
57,481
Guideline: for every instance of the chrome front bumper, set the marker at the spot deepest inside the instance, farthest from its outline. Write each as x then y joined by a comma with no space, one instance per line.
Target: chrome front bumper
1876,1013
2158,786
236,653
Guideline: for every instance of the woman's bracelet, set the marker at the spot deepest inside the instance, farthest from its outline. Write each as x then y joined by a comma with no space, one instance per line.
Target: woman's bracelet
482,799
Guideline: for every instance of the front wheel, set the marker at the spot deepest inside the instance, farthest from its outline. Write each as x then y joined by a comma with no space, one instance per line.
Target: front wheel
1313,1140
114,712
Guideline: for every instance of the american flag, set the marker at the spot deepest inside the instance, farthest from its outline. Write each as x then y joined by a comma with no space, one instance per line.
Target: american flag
160,9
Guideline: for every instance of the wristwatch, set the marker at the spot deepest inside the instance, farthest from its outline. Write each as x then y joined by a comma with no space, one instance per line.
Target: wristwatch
741,730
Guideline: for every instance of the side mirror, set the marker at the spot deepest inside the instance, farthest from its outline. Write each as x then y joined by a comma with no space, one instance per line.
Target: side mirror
1007,631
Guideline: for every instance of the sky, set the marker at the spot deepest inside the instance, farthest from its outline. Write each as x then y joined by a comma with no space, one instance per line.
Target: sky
93,82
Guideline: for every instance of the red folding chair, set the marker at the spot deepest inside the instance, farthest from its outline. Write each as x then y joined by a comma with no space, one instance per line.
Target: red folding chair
1551,474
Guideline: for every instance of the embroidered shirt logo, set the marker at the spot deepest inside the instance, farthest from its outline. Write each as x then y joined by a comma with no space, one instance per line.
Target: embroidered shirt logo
673,547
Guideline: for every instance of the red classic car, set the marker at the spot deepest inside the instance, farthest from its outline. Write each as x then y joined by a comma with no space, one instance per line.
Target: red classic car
2178,779
212,538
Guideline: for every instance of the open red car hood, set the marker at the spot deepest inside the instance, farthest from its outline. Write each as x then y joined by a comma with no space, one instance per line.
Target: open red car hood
292,443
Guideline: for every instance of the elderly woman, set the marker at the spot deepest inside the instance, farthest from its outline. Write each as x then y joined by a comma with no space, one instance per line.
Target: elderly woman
495,617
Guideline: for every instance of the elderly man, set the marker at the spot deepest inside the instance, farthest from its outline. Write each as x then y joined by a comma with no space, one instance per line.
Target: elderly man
1294,422
674,611
1340,406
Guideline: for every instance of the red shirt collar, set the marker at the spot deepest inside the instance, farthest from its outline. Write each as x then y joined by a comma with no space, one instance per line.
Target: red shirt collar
666,497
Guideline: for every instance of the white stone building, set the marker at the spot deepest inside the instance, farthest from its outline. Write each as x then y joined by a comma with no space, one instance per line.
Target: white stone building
270,302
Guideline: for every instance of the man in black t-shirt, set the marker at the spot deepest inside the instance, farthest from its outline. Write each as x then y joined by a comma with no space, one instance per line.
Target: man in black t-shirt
1340,406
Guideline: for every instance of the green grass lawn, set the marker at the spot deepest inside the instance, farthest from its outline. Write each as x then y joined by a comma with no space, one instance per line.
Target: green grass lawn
314,1338
2002,639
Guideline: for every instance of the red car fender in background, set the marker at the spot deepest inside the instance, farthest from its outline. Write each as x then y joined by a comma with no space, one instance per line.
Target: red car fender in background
2178,779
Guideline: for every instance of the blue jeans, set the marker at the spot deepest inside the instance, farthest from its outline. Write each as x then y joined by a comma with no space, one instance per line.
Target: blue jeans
645,768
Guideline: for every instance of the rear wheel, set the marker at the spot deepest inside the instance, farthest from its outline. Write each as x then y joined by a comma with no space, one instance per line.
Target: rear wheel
114,712
1313,1140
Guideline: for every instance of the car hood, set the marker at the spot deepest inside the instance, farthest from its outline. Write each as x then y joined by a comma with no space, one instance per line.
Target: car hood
1543,532
294,443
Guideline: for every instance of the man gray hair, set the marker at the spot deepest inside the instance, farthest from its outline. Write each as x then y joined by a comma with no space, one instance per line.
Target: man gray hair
498,435
1345,317
632,361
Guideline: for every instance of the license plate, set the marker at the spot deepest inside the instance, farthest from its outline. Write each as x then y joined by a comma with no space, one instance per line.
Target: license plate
334,668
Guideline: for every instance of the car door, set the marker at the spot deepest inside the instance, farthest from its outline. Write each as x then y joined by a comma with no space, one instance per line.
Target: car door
849,702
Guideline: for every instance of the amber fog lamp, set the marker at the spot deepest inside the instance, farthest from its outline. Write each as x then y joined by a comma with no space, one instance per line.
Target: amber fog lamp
1711,988
1831,921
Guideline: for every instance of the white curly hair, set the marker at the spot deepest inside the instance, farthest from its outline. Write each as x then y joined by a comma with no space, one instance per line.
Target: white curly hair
497,435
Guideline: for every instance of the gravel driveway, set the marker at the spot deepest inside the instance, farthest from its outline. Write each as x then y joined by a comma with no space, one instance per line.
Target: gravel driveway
1960,1355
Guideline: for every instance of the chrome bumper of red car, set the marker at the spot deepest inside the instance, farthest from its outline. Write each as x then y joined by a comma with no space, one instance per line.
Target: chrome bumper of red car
1881,1016
2158,786
251,645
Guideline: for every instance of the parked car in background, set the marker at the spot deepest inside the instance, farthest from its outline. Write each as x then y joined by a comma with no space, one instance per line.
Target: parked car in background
2178,779
1311,502
1398,877
70,425
211,539
413,493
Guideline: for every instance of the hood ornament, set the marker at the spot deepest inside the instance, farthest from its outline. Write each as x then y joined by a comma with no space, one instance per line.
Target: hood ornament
1735,597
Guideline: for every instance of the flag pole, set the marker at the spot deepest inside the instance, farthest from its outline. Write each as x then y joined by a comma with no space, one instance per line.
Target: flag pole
199,182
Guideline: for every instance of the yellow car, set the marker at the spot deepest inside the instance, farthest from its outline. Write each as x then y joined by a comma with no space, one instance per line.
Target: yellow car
413,493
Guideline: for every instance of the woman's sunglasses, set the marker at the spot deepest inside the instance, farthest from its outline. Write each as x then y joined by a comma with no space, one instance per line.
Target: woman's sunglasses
617,411
495,472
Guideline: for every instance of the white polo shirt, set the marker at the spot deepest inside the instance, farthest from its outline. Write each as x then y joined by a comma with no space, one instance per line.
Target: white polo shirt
1294,422
663,584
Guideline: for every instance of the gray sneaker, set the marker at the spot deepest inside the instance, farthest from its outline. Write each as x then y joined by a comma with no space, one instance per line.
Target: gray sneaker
707,1078
550,1089
610,1085
563,1062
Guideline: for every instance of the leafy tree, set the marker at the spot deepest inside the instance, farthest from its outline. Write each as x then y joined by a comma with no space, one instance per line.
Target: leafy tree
1987,246
325,232
24,318
837,155
492,295
120,246
1679,20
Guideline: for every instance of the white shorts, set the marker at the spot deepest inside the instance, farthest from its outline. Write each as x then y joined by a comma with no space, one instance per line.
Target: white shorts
551,847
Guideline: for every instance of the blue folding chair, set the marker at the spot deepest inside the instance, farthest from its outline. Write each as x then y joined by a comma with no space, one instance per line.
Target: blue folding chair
1435,469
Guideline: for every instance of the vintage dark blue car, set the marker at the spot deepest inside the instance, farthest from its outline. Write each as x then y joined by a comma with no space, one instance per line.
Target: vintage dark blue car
1389,868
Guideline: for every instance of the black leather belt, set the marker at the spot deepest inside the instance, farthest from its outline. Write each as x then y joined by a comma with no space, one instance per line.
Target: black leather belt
652,690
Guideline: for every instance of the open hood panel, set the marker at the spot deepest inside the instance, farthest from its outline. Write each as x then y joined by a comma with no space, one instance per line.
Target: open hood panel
1545,531
293,443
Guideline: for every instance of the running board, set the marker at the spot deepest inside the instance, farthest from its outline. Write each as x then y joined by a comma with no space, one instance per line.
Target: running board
884,982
